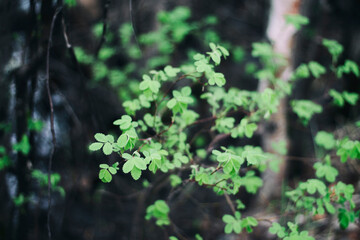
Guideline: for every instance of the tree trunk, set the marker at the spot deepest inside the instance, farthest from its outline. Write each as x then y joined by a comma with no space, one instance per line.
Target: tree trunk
275,130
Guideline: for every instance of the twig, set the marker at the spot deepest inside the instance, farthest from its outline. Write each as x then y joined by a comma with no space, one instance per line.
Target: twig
77,65
209,185
58,10
203,120
231,205
132,24
177,231
217,169
147,140
102,40
217,139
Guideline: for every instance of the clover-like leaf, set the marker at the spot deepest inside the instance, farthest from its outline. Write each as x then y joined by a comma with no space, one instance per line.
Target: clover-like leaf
327,171
95,146
296,20
124,123
277,229
128,166
100,137
135,173
107,149
325,140
316,69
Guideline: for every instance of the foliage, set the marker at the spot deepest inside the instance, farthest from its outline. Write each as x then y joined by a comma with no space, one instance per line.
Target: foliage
42,179
296,20
236,224
156,133
70,3
107,171
159,210
305,109
22,146
4,159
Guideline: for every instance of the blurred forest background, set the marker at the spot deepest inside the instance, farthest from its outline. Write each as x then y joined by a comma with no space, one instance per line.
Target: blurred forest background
88,93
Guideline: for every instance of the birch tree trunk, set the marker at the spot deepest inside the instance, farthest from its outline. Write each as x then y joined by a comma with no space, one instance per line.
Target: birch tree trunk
281,35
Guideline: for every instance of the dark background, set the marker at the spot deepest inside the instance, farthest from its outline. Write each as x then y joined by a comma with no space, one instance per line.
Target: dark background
92,209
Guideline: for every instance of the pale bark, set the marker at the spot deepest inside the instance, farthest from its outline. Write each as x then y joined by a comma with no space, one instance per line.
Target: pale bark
281,35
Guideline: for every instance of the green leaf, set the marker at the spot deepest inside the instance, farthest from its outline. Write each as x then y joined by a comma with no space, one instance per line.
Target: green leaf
348,67
228,228
264,50
23,146
135,173
248,223
351,98
128,166
107,149
238,54
100,137
296,20
252,183
316,69
35,125
104,166
217,78
326,171
333,47
171,104
224,51
100,71
279,147
139,163
329,207
162,206
338,99
170,71
228,218
70,3
344,218
149,84
112,170
82,57
305,109
175,180
325,140
95,146
302,71
215,56
250,129
105,176
124,123
123,140
313,185
198,237
277,229
237,227
109,138
19,200
105,53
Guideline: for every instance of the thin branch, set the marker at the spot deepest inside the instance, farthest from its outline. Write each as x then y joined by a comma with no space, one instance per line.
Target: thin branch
105,25
228,200
217,169
147,140
203,120
174,83
58,10
217,139
132,24
68,45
